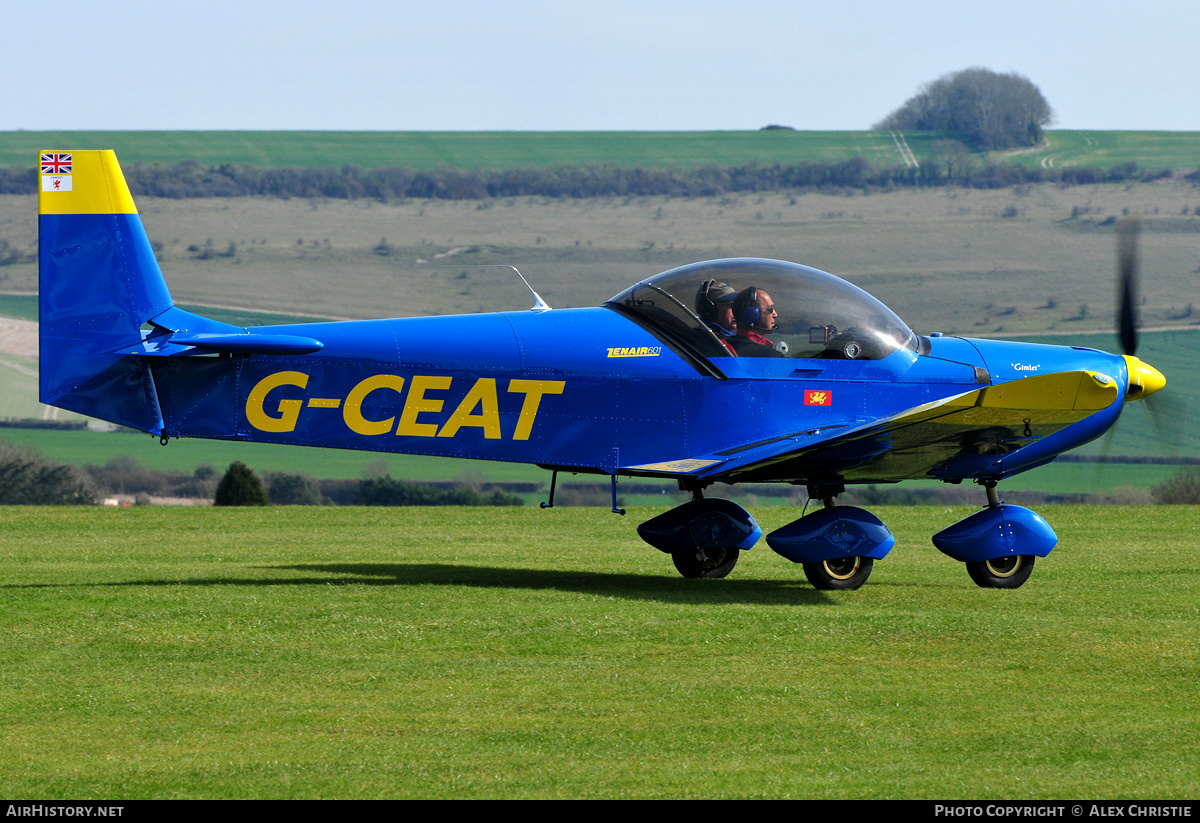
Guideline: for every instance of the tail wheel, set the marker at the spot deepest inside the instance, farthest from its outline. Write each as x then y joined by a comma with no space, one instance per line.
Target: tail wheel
711,561
1002,572
839,574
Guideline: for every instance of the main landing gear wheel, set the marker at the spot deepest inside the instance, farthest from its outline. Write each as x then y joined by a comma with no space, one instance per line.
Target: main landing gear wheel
712,561
839,574
1002,572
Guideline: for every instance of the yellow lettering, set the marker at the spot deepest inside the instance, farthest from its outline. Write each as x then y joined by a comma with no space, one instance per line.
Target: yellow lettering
289,410
352,411
533,391
417,403
482,394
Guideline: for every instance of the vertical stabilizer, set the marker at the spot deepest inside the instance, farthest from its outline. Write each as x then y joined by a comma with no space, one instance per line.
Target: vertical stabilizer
98,283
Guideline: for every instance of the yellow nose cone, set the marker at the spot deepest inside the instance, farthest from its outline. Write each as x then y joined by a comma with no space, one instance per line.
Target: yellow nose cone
1144,379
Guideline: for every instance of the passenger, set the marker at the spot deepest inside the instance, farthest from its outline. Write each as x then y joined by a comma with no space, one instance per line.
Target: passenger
714,305
754,309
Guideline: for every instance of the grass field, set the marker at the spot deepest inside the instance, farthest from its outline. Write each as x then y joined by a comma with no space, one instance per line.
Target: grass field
1149,149
301,653
492,150
504,150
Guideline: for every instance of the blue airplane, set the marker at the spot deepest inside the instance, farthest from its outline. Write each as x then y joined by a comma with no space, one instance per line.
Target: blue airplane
724,371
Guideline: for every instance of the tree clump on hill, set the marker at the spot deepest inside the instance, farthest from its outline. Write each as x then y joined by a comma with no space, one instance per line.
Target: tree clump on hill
992,111
241,487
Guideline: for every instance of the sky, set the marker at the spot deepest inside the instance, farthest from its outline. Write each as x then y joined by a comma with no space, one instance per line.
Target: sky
560,65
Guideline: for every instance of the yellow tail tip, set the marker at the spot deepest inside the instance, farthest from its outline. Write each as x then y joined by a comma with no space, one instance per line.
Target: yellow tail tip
82,182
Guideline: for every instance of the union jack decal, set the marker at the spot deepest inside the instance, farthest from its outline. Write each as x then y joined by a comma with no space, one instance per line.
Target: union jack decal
56,164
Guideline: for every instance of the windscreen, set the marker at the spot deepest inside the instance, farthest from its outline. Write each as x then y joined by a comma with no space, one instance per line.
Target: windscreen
780,308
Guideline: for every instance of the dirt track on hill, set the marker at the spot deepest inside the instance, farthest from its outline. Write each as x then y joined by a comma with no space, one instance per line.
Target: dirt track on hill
19,337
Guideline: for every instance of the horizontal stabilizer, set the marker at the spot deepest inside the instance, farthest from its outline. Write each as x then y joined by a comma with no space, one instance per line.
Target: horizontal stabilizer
251,343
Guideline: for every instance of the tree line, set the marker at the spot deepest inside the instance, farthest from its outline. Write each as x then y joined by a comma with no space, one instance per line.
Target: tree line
28,478
951,164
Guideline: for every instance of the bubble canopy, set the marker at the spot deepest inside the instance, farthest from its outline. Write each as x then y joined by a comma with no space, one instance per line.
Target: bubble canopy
819,315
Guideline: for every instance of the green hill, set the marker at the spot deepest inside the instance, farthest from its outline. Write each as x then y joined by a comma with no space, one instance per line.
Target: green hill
506,150
496,150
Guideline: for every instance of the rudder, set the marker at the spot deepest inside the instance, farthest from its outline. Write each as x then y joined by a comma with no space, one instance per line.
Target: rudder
98,283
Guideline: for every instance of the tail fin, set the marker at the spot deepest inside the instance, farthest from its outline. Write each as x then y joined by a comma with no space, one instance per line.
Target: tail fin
98,283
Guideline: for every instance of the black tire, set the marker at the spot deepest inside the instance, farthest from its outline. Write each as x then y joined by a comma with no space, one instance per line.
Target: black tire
1002,572
839,574
714,561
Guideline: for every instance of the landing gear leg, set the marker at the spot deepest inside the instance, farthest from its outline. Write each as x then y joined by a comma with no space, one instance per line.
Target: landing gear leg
839,573
1000,572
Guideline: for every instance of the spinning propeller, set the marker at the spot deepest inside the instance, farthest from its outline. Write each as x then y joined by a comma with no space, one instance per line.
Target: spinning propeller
1144,380
1127,266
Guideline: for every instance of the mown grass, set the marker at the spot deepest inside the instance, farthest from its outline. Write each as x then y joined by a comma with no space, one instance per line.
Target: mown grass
465,653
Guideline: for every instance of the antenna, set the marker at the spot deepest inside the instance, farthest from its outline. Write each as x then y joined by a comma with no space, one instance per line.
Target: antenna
538,303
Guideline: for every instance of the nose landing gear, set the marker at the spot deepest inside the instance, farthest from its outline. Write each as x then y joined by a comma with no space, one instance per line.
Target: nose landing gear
998,544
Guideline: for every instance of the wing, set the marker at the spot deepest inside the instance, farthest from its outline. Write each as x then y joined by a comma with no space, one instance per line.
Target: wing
965,435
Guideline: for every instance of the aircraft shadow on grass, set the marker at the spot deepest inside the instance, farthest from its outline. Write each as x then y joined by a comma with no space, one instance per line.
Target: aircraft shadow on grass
786,592
625,586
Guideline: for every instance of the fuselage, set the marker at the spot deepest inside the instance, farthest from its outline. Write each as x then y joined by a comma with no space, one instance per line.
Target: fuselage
591,390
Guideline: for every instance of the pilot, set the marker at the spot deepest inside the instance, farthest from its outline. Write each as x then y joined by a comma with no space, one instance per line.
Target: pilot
714,305
754,312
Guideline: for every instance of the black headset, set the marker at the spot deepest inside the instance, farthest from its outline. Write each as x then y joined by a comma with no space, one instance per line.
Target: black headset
745,308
